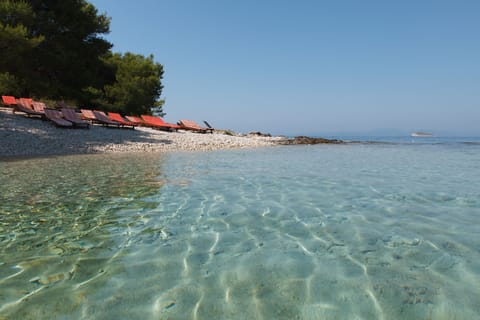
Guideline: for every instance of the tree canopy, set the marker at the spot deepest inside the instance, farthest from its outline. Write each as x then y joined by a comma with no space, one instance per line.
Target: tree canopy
136,83
17,42
55,50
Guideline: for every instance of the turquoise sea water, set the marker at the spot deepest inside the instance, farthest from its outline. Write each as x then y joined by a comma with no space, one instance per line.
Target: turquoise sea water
359,231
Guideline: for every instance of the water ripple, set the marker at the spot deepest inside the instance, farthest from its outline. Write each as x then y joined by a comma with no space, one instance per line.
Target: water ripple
354,231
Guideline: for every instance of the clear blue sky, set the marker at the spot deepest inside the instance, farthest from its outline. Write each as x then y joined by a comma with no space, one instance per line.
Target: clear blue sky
310,66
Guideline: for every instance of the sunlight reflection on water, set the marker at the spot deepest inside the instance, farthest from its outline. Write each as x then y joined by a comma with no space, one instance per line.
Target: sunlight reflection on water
320,232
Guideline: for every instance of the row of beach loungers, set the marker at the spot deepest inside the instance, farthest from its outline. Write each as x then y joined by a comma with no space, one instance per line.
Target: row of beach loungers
67,117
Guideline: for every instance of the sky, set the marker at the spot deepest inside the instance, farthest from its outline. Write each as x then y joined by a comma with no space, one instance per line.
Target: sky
316,67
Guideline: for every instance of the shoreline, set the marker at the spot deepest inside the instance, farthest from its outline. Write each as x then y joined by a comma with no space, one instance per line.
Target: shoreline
23,138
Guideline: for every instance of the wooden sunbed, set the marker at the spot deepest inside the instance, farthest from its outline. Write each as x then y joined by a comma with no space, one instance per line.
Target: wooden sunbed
193,126
158,123
56,117
88,115
72,116
25,105
208,125
98,117
103,119
9,101
118,118
162,122
38,106
28,101
135,120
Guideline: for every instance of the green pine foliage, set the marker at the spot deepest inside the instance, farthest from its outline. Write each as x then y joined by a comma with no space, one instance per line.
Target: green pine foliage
17,42
137,84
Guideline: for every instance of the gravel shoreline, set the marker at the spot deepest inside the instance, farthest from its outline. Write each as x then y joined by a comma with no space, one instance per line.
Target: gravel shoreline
24,137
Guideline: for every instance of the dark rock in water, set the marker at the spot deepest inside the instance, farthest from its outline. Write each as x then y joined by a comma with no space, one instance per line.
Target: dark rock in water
260,134
309,140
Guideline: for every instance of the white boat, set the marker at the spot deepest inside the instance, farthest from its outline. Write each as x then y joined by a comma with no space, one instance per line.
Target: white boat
421,134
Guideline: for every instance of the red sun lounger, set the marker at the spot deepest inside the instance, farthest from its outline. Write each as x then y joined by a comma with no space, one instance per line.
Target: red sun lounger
193,126
9,101
135,120
25,105
118,118
157,122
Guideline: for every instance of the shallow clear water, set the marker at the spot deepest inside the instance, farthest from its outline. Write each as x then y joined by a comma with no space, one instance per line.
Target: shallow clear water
361,231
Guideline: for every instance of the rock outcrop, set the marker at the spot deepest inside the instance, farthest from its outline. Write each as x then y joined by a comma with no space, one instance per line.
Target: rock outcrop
309,140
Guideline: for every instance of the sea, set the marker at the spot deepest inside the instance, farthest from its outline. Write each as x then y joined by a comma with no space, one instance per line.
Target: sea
376,228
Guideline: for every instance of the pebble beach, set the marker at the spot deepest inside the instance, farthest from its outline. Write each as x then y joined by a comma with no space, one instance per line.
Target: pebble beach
28,137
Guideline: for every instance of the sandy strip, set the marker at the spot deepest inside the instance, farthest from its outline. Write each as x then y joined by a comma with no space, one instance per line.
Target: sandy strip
23,137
